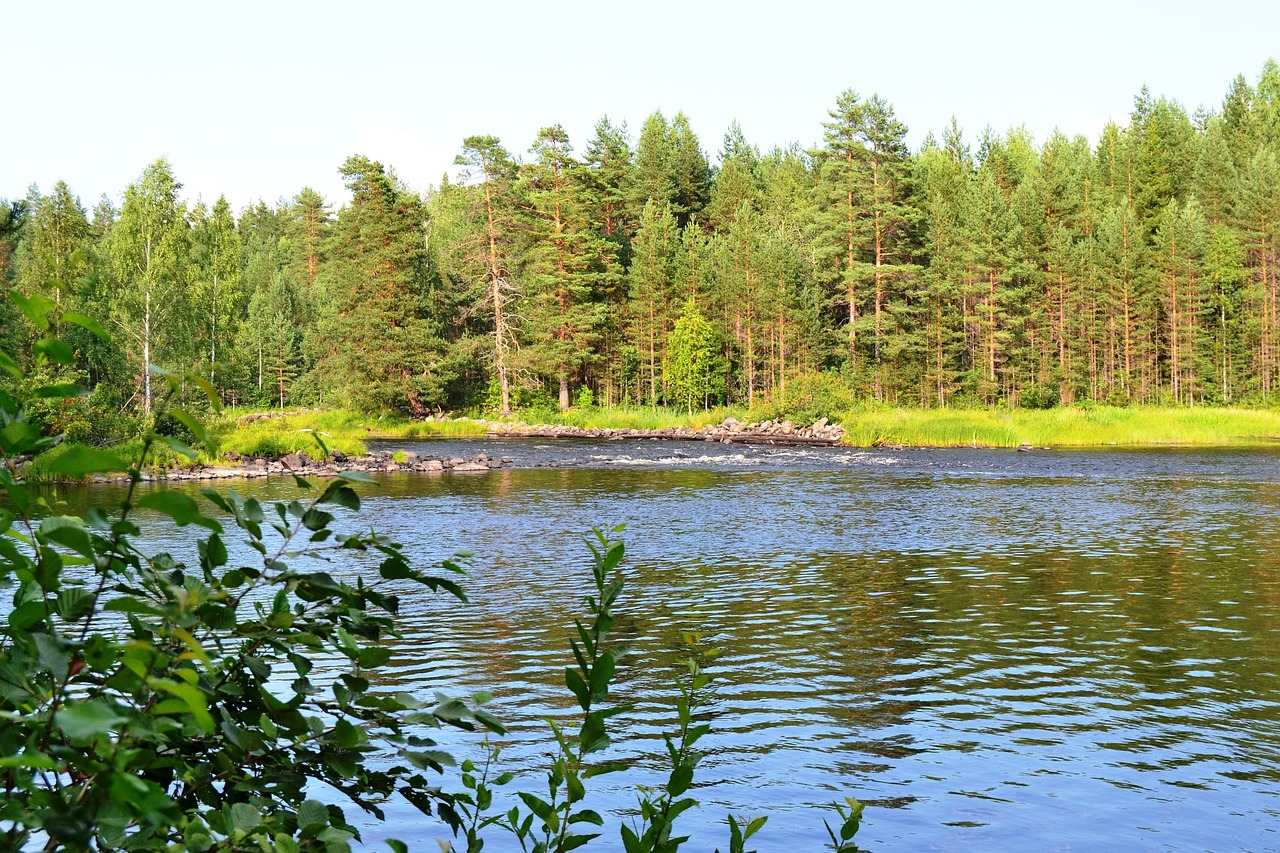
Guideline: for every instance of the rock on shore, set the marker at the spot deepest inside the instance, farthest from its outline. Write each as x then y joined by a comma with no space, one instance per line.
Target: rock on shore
304,466
730,431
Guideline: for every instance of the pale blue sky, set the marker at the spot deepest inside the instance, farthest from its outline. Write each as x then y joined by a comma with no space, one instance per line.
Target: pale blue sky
258,99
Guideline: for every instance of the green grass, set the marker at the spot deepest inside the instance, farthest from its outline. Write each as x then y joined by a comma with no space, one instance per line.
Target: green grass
339,429
1060,427
630,417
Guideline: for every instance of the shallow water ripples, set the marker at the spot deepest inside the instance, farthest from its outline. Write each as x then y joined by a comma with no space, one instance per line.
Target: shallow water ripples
995,652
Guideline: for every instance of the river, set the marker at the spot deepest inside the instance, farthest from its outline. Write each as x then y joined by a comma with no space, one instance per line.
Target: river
994,650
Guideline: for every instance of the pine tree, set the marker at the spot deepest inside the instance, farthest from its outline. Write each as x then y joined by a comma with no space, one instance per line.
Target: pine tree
890,216
652,177
736,180
489,246
1222,355
839,229
563,264
612,175
690,172
942,177
1257,215
650,278
1178,243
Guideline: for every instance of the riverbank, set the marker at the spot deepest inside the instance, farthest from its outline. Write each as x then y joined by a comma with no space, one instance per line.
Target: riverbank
1100,426
268,437
272,435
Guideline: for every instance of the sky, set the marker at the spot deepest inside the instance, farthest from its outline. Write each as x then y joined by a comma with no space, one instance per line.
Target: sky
256,100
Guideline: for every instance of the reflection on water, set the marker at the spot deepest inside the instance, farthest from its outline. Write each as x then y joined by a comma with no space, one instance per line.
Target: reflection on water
995,650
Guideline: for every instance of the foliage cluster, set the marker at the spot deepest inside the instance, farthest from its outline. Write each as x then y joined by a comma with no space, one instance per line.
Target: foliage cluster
1138,270
806,399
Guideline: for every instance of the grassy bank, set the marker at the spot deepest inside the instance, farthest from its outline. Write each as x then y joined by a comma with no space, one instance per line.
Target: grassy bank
638,417
277,435
1060,427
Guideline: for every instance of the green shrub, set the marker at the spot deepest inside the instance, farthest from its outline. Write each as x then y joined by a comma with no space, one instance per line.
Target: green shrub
807,399
140,706
1039,396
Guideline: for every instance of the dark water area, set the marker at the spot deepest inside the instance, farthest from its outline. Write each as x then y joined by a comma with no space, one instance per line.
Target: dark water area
1055,650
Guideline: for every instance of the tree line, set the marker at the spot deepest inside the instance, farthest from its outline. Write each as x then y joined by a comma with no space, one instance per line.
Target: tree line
1140,269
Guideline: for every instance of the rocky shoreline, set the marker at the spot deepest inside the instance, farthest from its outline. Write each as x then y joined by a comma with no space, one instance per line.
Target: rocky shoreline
731,431
302,465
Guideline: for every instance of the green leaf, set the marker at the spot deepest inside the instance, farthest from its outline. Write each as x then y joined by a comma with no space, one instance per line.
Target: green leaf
490,722
81,720
179,447
79,461
34,761
573,680
397,846
341,495
34,307
373,656
86,322
312,813
539,807
21,437
285,844
197,429
593,735
429,759
573,842
347,735
52,655
209,391
315,519
681,779
193,701
69,533
55,350
132,605
9,366
197,838
27,614
181,508
602,674
75,603
243,818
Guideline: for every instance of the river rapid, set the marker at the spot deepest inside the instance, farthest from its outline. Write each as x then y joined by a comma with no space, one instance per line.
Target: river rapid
1051,650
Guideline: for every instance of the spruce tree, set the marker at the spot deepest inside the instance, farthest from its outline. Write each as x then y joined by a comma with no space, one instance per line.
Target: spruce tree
385,350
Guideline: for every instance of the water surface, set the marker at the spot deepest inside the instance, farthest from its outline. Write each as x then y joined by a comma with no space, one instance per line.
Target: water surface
994,650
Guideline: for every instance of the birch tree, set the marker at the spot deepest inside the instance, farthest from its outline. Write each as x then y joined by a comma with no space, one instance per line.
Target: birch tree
148,257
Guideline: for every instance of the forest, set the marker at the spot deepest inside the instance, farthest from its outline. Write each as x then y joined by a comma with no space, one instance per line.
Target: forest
636,271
